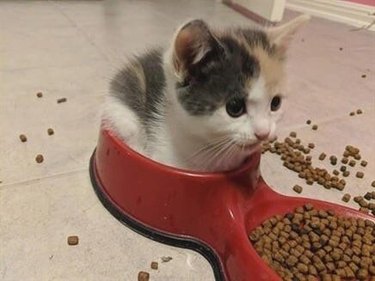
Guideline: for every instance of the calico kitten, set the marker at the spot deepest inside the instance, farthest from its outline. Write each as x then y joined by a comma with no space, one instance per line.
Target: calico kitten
206,103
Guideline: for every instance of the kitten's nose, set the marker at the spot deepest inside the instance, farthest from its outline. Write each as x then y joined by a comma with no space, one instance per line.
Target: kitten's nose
262,135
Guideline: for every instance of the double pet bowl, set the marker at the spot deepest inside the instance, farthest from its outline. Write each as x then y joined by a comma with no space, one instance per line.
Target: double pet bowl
209,213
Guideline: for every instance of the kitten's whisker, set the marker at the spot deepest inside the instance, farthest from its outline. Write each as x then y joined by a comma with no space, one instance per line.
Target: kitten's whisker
209,147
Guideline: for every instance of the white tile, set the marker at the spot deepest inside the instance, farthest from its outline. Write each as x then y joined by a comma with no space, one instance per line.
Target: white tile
37,217
75,122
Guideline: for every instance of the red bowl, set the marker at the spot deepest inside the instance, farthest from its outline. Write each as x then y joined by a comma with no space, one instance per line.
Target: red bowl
209,213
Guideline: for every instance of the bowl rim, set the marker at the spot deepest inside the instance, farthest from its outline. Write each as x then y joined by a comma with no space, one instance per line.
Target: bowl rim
149,163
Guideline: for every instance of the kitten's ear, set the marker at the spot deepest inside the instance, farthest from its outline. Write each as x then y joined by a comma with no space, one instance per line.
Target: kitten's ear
193,42
283,34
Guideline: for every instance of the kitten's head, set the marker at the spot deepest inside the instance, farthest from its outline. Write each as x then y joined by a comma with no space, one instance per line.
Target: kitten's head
230,85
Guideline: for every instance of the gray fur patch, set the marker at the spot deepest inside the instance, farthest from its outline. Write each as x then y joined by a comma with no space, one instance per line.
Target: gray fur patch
258,38
142,90
217,79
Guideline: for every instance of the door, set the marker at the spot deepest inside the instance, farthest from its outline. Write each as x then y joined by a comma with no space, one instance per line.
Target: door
271,10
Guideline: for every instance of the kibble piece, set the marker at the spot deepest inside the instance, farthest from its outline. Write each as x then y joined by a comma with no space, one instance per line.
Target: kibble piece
346,197
39,94
61,100
143,276
346,173
308,122
359,111
293,134
352,113
315,127
362,274
322,156
154,265
359,175
39,158
335,172
363,163
311,145
343,168
23,138
373,185
352,163
297,188
50,131
73,240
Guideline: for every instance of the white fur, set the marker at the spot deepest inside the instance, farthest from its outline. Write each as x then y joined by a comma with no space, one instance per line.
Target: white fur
179,136
179,139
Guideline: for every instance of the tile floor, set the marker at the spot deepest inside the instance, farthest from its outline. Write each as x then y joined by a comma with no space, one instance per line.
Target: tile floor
71,49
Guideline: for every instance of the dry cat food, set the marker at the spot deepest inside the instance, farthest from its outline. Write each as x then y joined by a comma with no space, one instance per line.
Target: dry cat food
297,188
143,276
312,244
315,127
346,197
73,240
352,113
23,138
61,100
359,175
50,131
292,153
373,184
154,265
359,111
39,158
39,94
363,75
308,122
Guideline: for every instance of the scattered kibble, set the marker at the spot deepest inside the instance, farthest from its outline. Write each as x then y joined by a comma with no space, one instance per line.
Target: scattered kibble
346,173
359,111
73,240
311,145
23,138
322,156
315,127
352,113
352,163
39,158
363,75
61,100
340,49
50,131
154,265
308,122
335,172
143,276
333,160
346,197
297,188
359,175
363,163
39,94
293,134
373,184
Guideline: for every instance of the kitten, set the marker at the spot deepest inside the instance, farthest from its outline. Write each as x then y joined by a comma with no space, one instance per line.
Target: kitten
206,103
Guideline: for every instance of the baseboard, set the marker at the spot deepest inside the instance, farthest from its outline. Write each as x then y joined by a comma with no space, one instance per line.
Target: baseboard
357,15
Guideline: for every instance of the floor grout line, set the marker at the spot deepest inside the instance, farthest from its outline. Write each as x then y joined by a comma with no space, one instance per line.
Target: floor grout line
32,180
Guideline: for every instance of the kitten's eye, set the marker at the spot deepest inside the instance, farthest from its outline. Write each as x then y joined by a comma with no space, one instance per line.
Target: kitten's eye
236,107
275,103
